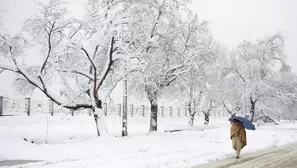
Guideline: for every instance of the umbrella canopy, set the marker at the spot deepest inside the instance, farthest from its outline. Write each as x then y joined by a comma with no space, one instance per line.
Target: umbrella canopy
246,123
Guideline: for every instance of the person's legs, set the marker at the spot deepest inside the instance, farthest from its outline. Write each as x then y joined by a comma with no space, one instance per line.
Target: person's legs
238,147
234,143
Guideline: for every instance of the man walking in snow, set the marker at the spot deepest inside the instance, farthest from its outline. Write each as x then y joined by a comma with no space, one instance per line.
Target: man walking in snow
238,136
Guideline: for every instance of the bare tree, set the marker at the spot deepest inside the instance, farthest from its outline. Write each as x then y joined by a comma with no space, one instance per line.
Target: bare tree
234,109
155,34
80,53
254,62
172,47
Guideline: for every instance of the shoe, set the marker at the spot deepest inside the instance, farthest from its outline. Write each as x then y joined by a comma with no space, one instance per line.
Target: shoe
237,157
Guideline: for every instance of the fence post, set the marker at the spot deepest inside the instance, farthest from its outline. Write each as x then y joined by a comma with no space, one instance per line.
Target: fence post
13,106
105,109
131,110
51,107
278,118
194,108
28,105
1,105
90,112
162,111
72,112
143,111
170,111
17,106
178,111
119,109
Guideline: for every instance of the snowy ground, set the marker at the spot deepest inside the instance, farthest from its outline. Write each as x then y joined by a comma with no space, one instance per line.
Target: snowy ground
65,141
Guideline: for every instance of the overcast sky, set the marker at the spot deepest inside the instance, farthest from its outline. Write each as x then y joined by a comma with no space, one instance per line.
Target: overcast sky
231,21
235,20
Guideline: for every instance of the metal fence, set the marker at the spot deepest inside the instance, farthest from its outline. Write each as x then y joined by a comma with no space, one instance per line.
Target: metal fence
28,106
9,106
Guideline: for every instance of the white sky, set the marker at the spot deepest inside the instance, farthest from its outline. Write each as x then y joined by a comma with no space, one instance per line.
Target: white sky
235,20
231,22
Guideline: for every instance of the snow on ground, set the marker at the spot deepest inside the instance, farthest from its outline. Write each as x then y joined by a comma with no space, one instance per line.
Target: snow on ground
66,141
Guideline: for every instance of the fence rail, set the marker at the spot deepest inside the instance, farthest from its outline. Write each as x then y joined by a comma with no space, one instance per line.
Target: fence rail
28,106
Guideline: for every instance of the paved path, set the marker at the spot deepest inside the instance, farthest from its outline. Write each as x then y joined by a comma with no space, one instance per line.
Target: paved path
15,162
278,157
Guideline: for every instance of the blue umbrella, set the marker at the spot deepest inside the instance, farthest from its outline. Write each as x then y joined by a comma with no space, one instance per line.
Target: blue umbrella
246,123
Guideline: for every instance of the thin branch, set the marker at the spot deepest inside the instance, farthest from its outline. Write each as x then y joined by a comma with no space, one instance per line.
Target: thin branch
173,75
229,111
49,47
76,31
79,73
72,100
7,68
155,24
90,59
96,49
108,67
62,26
240,75
171,80
253,101
85,75
114,86
25,75
263,75
172,69
47,32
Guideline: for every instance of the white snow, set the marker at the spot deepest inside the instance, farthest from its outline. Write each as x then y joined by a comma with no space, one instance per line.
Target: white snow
72,141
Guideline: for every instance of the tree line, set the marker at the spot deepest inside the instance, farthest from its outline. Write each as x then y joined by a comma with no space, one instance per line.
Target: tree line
159,48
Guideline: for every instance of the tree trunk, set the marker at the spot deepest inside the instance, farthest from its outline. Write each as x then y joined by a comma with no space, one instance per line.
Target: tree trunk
125,107
99,121
96,119
191,121
206,118
191,115
252,110
154,115
153,98
207,113
1,105
97,113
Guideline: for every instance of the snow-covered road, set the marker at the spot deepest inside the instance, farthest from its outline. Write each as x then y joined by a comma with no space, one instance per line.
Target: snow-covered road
277,157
